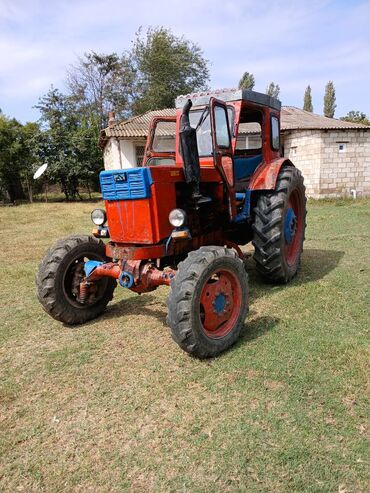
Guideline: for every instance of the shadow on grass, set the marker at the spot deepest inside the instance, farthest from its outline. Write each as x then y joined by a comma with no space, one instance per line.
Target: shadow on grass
257,327
146,305
315,265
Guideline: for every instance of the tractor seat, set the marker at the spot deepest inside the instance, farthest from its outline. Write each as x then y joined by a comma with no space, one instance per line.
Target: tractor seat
244,166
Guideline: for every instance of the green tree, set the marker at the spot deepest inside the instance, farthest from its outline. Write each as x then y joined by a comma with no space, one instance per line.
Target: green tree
99,83
273,90
356,117
164,66
32,156
11,154
307,100
329,100
247,81
70,141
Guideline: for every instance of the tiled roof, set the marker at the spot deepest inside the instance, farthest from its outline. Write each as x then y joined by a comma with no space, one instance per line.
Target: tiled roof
292,118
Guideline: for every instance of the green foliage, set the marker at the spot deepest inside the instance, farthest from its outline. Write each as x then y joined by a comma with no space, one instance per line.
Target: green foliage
273,90
329,100
307,101
247,81
11,151
356,117
164,66
69,144
32,156
19,158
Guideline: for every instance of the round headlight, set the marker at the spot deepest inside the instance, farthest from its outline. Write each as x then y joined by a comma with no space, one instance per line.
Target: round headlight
177,217
98,217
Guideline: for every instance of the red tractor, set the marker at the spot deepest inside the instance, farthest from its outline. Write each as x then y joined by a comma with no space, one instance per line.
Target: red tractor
213,179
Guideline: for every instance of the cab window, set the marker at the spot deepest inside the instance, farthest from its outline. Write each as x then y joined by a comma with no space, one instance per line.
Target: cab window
275,134
200,119
222,130
249,139
164,139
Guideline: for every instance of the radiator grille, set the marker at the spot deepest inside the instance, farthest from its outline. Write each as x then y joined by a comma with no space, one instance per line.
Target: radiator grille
126,184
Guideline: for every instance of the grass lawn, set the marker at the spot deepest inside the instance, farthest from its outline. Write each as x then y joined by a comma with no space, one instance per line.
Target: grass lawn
115,405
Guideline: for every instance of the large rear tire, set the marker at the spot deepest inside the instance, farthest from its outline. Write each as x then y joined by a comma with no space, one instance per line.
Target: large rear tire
208,301
279,227
60,274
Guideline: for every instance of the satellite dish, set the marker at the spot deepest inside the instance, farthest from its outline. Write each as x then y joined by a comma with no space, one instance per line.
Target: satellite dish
40,171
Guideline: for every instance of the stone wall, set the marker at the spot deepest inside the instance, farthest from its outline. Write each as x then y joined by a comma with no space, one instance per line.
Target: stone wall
333,162
304,148
345,163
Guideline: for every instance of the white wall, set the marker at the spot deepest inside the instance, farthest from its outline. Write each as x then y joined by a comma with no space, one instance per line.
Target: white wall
119,154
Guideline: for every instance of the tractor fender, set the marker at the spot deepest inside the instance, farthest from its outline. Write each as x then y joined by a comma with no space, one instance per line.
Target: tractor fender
266,174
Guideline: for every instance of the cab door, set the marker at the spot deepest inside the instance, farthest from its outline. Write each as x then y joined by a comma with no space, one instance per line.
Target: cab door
222,148
160,147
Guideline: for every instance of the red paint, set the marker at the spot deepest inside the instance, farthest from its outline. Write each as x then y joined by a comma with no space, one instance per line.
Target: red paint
149,151
265,176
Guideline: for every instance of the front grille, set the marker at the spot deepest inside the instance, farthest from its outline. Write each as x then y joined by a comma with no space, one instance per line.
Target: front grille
126,184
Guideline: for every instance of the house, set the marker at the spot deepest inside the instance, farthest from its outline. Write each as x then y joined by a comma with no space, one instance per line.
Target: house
333,155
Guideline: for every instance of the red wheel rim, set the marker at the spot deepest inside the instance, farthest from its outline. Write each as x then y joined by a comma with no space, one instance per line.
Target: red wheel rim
293,226
220,303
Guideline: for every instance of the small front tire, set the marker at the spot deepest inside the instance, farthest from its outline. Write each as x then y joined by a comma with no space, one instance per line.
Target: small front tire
208,301
60,273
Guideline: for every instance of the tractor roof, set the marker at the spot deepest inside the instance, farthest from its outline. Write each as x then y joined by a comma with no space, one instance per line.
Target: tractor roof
202,98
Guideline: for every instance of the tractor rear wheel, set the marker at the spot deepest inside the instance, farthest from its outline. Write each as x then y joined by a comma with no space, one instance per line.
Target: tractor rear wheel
59,277
208,301
279,227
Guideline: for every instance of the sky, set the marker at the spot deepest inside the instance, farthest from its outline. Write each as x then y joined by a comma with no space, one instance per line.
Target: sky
293,43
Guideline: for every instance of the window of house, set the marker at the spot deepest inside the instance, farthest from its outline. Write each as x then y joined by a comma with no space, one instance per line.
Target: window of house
140,150
342,146
293,151
275,133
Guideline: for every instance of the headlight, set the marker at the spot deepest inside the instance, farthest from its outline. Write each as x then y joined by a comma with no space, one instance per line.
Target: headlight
177,217
98,217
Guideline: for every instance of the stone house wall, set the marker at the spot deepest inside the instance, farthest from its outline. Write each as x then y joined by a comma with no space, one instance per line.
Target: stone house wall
345,163
304,149
333,163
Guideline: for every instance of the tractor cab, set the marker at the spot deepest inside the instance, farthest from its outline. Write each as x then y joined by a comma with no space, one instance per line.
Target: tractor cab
240,125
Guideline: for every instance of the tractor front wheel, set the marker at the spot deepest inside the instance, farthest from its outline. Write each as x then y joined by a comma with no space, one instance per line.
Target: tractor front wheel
279,227
208,301
59,276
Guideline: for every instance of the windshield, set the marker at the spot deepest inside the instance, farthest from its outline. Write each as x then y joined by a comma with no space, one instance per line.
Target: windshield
200,120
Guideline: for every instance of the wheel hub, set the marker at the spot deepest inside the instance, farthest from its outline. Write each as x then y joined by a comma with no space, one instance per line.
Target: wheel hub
219,303
290,225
